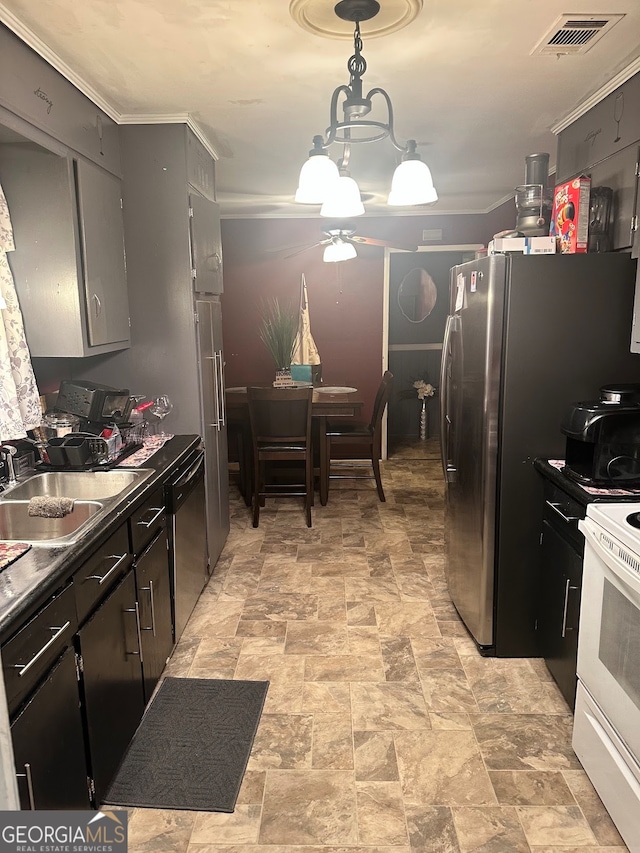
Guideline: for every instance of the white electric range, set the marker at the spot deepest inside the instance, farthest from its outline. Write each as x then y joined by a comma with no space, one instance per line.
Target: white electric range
606,734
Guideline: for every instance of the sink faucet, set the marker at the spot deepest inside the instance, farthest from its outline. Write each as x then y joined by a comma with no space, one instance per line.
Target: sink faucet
7,452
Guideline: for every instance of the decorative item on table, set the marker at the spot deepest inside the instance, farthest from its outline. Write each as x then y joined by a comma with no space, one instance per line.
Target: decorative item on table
570,215
304,355
425,390
278,331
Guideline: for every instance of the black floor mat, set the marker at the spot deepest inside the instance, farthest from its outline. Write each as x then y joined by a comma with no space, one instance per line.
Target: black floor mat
191,749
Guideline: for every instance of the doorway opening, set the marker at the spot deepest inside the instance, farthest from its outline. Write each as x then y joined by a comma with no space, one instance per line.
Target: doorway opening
416,307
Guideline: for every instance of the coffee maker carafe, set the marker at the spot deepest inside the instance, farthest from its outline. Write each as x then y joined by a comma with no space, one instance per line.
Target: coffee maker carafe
603,438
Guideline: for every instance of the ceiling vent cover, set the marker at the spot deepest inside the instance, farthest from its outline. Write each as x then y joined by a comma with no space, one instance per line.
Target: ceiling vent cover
573,34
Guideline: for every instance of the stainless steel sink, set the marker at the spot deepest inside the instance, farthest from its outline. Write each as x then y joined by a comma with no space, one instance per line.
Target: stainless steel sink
16,524
80,485
94,493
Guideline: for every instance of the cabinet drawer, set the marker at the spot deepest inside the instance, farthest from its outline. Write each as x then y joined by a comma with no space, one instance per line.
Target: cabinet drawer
97,576
30,653
147,521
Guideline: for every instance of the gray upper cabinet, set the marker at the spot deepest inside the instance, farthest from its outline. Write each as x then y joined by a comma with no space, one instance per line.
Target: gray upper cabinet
604,143
68,264
608,127
620,172
206,245
200,167
33,90
105,281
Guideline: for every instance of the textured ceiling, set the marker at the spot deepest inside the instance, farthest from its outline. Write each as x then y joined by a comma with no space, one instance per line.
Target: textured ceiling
460,75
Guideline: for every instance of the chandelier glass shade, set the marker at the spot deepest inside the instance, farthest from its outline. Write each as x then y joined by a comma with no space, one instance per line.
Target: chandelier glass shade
342,199
324,182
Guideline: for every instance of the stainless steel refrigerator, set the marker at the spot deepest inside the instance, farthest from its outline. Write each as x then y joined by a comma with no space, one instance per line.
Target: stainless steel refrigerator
525,337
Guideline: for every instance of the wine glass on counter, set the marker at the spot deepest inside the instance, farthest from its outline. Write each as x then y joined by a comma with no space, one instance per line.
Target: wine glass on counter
161,407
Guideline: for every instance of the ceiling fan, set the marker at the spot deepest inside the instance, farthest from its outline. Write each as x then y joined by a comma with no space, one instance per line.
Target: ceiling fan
340,244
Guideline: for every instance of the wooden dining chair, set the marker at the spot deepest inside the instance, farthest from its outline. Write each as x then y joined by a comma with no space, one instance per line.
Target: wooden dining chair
351,439
281,433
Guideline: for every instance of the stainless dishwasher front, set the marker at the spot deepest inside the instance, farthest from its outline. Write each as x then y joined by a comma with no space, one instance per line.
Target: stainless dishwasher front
188,538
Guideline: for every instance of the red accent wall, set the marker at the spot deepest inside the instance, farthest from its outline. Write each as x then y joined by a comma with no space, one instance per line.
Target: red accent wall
345,299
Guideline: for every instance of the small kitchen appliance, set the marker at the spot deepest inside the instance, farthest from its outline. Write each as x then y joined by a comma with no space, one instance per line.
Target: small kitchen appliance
603,438
93,402
533,198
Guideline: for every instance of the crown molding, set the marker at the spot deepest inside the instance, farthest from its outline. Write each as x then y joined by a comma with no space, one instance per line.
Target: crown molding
35,43
620,78
27,35
170,118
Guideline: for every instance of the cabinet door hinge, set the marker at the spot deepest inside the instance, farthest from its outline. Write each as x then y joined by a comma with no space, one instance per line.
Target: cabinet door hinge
637,172
194,273
541,537
190,213
79,666
634,222
91,788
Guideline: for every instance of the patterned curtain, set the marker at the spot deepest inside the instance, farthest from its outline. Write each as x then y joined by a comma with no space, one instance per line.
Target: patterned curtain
19,399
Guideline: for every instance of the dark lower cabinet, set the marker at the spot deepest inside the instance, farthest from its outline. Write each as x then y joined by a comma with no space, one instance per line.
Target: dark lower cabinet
112,689
48,743
154,597
559,608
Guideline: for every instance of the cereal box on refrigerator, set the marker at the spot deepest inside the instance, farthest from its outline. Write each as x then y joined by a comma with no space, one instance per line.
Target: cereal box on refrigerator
570,215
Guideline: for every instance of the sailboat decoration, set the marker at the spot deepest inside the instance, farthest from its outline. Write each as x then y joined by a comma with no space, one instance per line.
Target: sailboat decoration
305,351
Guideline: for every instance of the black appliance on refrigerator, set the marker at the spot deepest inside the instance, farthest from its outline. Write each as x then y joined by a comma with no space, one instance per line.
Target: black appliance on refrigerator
525,336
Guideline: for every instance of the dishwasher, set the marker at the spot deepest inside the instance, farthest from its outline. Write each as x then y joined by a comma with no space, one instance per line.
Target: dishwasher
185,500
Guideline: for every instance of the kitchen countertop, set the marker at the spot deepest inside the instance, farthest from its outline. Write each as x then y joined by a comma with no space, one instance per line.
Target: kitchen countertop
28,582
583,494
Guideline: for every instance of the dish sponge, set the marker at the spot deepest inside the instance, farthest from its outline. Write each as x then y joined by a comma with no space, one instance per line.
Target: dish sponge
50,507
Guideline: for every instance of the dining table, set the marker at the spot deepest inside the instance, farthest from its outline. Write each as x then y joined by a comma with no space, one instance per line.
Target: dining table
329,401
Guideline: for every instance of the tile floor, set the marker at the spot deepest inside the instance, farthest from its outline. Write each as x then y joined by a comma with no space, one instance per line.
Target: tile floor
383,730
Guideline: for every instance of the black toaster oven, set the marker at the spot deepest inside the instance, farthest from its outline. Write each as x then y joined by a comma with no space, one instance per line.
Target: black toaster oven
94,402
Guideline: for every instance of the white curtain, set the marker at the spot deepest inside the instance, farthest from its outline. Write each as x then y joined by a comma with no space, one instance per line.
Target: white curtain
19,399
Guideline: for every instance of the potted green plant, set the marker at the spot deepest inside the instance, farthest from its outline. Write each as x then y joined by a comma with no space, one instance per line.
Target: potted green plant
278,331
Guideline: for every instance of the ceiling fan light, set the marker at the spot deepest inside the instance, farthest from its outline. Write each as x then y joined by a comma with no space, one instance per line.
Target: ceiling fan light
316,178
338,250
412,184
343,199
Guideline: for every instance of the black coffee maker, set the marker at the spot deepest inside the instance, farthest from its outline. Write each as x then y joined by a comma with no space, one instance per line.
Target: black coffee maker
603,438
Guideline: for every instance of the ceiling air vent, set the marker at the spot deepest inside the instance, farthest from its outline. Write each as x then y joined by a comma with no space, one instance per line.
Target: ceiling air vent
572,34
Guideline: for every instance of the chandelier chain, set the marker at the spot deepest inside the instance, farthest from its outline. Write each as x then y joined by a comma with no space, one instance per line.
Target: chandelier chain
357,64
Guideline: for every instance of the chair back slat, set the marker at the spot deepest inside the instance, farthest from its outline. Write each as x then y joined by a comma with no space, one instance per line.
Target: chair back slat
382,398
281,415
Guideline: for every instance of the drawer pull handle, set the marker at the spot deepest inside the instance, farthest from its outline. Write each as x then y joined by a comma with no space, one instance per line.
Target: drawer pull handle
102,578
149,589
135,609
567,518
567,589
25,667
27,775
158,512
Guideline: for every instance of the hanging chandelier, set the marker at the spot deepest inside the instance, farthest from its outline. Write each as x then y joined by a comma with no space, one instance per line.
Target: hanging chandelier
322,181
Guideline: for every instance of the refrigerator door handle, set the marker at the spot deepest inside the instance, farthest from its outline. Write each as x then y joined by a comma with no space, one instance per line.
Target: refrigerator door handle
222,419
445,421
214,377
